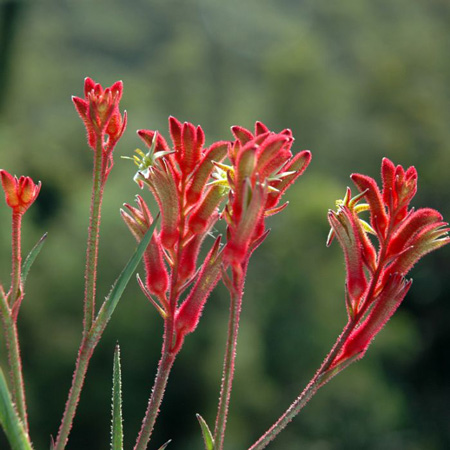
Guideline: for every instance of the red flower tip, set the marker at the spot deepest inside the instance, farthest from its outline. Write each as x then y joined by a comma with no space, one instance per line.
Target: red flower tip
260,128
192,141
378,216
241,134
175,132
20,193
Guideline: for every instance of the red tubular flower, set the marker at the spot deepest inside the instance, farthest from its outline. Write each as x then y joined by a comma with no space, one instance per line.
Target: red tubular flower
263,167
205,213
188,314
100,113
378,216
386,303
178,178
377,280
198,182
20,193
347,229
139,221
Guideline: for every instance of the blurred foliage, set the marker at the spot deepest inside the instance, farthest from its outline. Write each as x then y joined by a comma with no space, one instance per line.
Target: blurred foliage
355,80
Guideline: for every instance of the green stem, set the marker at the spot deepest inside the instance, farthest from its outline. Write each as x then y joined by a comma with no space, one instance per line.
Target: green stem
159,387
88,342
322,377
15,361
167,354
93,239
16,260
236,292
84,355
314,385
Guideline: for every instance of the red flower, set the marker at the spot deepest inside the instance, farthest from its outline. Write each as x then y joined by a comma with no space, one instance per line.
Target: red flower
262,168
139,221
178,179
100,113
375,282
20,193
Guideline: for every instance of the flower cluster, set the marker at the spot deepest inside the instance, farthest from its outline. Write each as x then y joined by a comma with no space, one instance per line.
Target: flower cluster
189,183
178,180
375,282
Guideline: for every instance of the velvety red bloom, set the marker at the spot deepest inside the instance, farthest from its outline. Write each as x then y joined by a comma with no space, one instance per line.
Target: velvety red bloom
262,168
139,220
99,110
375,283
178,177
189,183
20,193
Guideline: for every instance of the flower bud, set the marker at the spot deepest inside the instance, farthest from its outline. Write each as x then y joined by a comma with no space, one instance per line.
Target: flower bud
217,153
20,193
346,229
378,217
206,211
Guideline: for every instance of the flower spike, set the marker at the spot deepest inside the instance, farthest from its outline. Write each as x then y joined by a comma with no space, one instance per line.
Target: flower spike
262,168
376,283
99,111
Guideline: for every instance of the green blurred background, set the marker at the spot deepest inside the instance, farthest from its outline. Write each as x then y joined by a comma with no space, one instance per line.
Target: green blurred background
355,80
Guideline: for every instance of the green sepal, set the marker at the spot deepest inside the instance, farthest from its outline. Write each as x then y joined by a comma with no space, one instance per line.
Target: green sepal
110,303
207,435
9,420
31,257
116,424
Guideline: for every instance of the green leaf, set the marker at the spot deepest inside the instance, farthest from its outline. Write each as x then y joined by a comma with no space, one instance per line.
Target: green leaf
116,427
207,435
165,445
10,421
110,303
31,257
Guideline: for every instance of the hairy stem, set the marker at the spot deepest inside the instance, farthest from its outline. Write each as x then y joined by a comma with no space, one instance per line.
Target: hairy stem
88,343
159,387
236,292
84,355
15,361
16,260
313,386
320,378
93,240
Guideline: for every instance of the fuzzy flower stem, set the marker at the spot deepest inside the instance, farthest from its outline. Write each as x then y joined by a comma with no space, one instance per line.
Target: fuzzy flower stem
236,293
167,354
312,387
81,367
15,362
15,292
162,376
93,239
88,344
319,378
